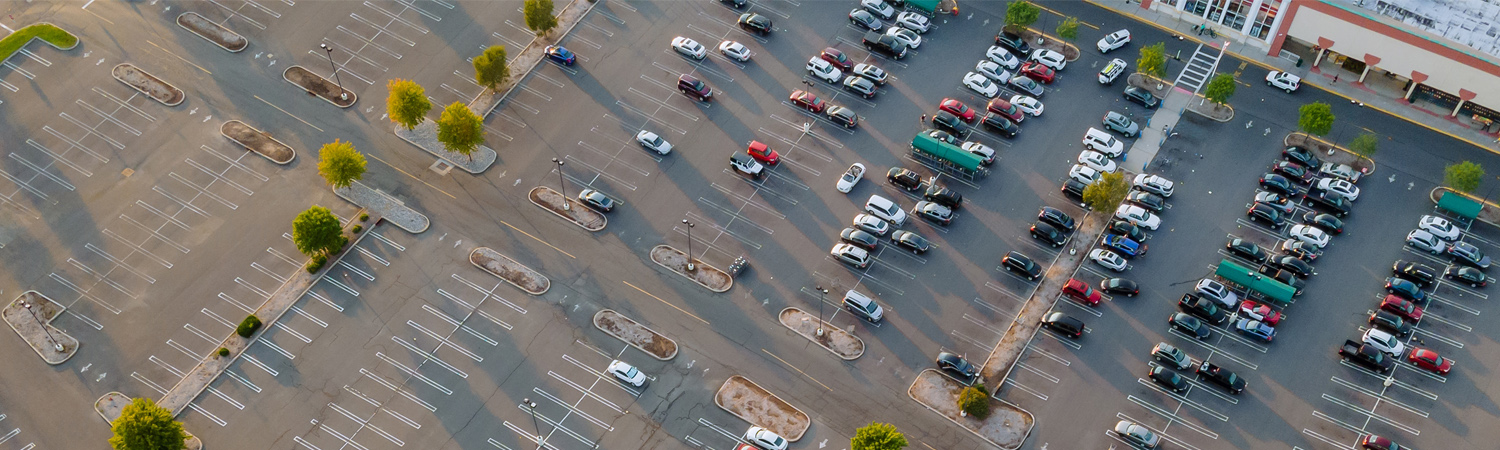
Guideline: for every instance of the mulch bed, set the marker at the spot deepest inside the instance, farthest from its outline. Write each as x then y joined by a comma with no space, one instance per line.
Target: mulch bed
1150,84
507,269
1070,52
1340,155
635,334
148,84
1007,425
708,276
257,141
317,85
754,404
214,32
837,340
577,213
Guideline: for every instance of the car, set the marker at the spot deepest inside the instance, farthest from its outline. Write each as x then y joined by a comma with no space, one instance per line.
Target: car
851,255
1284,81
1136,434
950,123
878,8
755,23
886,210
689,48
1466,275
1416,273
905,36
1049,234
1340,187
863,306
1276,183
1151,202
1112,71
1083,173
1291,264
735,3
1203,308
1013,42
1154,184
1367,355
957,365
1138,216
1266,214
1326,222
765,439
1123,246
863,19
1036,71
1025,84
1119,286
1222,377
1027,104
942,136
1064,324
871,72
911,241
1102,142
1127,229
1430,361
1260,311
837,58
850,178
1387,321
808,101
1108,259
560,54
824,70
692,87
1295,172
981,85
933,212
1056,217
1425,241
1142,96
1373,442
597,200
626,373
1114,41
958,109
858,238
1000,124
1049,58
1302,156
1401,307
1079,290
1246,249
735,51
1097,161
1255,328
985,153
1467,253
1311,235
1189,324
1343,171
1384,341
842,116
1020,263
1003,57
943,196
871,224
1218,292
1405,288
1439,227
653,142
1280,202
1171,356
1302,250
993,71
1168,379
1074,188
763,153
904,178
1285,277
913,21
860,85
1118,123
743,163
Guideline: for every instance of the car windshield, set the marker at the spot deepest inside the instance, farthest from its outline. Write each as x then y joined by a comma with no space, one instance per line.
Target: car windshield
631,373
778,442
655,141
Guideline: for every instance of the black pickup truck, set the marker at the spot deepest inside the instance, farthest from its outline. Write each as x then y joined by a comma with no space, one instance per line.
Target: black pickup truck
884,44
1222,377
1367,356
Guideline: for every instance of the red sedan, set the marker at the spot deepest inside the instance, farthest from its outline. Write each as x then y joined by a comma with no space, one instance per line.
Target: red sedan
1003,107
1428,359
837,58
1402,307
957,108
807,100
1261,312
1038,72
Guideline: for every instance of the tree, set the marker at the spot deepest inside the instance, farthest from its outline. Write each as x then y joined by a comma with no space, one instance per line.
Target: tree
340,164
975,400
459,129
1220,88
1464,176
407,104
877,436
1068,29
143,425
1315,118
1365,144
1153,60
491,68
1106,192
1021,13
317,232
539,16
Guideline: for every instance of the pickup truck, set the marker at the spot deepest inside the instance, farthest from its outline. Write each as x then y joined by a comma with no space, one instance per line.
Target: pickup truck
1367,356
884,44
1203,308
1222,377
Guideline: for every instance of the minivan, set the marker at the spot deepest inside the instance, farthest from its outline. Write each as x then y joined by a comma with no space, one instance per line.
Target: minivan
863,306
691,87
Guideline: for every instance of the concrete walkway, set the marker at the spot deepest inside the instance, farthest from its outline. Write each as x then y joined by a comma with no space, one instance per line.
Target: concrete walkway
1155,132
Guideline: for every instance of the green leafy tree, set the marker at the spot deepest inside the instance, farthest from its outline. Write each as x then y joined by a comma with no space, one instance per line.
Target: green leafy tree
1464,176
340,164
460,130
317,232
1153,60
975,400
1315,118
143,425
877,436
1022,13
407,104
1106,193
1068,29
1365,144
1220,88
539,16
490,67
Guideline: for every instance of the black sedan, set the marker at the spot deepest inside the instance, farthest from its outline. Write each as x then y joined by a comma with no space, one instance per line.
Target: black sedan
1296,172
1302,156
1326,222
1266,214
863,19
956,364
1278,184
1203,308
858,238
911,241
1189,324
1467,275
1127,229
1147,200
1292,264
1168,379
1119,286
945,121
1246,249
1416,273
1000,124
1338,206
1142,96
1405,289
1387,321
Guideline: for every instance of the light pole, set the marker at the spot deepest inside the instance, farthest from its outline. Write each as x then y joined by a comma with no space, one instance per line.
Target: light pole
342,95
560,183
531,407
821,293
690,244
55,344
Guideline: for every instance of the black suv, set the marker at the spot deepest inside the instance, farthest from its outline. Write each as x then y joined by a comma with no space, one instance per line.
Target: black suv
1338,206
1014,43
691,87
1022,265
945,121
1074,189
1415,273
944,196
1002,125
755,23
1045,232
842,116
906,179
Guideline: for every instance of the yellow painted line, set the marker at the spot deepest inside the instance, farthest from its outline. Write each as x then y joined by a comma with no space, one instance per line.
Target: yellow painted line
294,116
549,244
100,17
643,291
783,361
169,52
1044,8
414,177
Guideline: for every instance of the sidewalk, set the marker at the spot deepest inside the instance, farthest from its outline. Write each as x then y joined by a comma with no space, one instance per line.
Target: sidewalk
1154,131
1377,92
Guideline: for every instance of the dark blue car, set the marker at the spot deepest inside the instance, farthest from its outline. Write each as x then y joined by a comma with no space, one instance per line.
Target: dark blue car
1124,246
561,55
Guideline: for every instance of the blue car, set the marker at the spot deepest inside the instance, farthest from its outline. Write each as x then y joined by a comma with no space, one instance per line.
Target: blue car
1124,246
561,55
1255,329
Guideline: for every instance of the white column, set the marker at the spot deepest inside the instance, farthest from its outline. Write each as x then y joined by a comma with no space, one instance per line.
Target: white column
1276,23
1456,108
1362,75
1250,17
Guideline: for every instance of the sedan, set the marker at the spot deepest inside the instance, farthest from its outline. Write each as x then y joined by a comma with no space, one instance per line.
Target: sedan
1096,161
1265,214
958,109
1137,216
956,364
873,225
1027,104
992,70
1310,234
1405,289
1467,253
689,48
1294,171
1025,84
734,50
1108,259
1039,72
913,21
808,101
1246,249
878,8
1339,187
1279,201
1049,58
1401,307
1327,222
1119,286
1003,57
627,373
1384,341
596,200
871,72
1000,124
858,238
948,122
1083,174
1123,246
837,58
934,212
1334,204
1467,275
1203,308
1168,379
1439,227
1301,156
1142,96
1114,41
863,19
560,54
1147,200
765,439
1136,434
1218,292
911,241
1277,183
1430,360
1260,311
981,85
1057,218
1127,229
1425,241
650,141
905,36
1302,250
1390,322
1255,328
1189,324
1293,265
755,23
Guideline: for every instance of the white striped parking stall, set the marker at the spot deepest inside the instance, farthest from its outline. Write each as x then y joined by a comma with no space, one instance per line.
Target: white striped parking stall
1370,415
1161,432
1394,381
1183,399
1379,396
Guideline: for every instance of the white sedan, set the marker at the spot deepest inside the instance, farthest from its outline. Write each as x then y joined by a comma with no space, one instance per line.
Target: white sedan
873,225
627,373
1284,81
765,439
689,48
984,152
1083,174
1002,56
1110,260
1049,58
878,8
1114,41
851,177
1310,235
905,36
1028,104
1096,161
1384,341
1439,227
992,70
650,141
1425,241
734,50
1137,216
913,21
981,85
1339,187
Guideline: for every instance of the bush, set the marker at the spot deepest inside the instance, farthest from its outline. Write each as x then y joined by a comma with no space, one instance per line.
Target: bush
316,263
248,326
357,229
364,217
223,352
975,400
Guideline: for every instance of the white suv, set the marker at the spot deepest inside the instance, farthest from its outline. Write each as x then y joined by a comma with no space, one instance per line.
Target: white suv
885,209
823,70
1219,293
1102,142
1284,81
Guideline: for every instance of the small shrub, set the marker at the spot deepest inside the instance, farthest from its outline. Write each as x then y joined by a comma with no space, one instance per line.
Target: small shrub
975,400
363,217
248,326
316,263
223,352
357,229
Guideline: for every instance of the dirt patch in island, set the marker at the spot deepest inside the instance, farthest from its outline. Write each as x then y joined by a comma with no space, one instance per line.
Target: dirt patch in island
576,212
760,407
257,141
1007,425
1070,52
513,272
317,85
837,340
705,275
148,84
635,334
214,32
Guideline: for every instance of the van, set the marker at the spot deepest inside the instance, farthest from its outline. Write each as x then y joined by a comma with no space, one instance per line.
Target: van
691,87
863,306
1110,72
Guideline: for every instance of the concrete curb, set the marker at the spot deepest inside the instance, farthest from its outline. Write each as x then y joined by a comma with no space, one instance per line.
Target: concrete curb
531,195
267,135
827,327
390,207
1286,141
108,402
353,97
700,265
496,255
532,50
216,25
75,40
115,72
914,398
806,420
675,346
428,130
69,351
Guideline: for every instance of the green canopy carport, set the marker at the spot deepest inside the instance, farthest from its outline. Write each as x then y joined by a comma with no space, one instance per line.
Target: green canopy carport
1252,280
927,6
1458,204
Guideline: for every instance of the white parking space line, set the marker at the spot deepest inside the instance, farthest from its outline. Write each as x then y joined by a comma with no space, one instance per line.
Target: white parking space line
1183,398
1378,396
1214,351
1394,381
1162,432
1452,304
1425,255
1012,381
1370,415
1330,441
